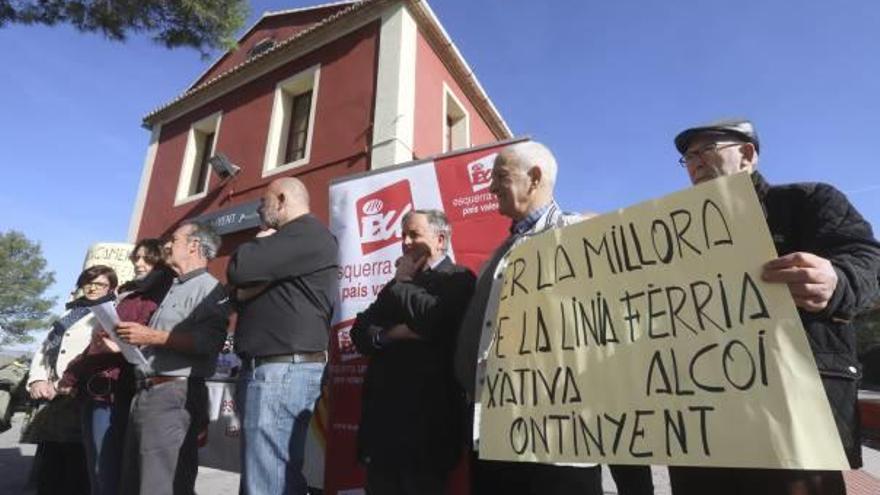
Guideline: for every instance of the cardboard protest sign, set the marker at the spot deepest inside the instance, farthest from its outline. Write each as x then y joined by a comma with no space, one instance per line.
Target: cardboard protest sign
112,254
647,336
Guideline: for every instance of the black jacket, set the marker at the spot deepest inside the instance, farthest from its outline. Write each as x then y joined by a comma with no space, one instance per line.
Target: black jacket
412,409
818,219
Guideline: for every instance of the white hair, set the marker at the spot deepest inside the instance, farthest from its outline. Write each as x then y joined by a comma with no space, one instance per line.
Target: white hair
209,239
437,221
530,154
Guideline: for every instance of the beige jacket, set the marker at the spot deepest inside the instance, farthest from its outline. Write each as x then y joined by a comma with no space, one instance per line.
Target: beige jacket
73,343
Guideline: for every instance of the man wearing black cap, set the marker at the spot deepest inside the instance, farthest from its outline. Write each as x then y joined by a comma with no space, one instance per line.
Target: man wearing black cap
831,263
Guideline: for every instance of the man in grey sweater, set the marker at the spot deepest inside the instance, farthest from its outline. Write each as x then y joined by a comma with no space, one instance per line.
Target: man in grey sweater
181,345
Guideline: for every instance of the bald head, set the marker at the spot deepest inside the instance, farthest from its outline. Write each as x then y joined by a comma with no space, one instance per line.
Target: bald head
532,154
284,200
522,178
293,189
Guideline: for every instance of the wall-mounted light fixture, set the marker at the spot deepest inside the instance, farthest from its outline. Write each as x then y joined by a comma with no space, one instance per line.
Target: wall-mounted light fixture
223,167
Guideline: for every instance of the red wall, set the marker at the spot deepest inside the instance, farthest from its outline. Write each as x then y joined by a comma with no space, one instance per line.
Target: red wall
430,76
279,27
342,134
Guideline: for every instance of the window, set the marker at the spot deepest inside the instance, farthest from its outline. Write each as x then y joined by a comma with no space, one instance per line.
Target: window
261,47
292,121
456,123
199,184
195,170
447,133
301,107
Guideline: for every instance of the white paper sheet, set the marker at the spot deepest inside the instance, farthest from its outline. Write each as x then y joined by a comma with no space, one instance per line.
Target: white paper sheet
108,319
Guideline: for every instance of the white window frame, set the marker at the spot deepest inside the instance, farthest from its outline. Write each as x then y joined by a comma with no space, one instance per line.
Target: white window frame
207,125
462,127
279,122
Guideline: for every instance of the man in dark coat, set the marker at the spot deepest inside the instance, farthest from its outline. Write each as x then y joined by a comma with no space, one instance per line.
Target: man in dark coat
410,433
831,263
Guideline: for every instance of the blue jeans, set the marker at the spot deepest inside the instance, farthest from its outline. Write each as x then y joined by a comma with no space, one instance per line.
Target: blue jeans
103,427
275,403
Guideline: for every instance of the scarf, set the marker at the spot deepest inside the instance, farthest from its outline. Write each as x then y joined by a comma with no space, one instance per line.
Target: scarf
76,310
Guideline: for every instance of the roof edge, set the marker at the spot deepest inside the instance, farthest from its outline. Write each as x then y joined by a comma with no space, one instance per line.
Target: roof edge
251,29
460,68
435,34
271,58
305,9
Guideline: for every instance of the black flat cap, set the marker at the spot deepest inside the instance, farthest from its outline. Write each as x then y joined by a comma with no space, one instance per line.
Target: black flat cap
737,128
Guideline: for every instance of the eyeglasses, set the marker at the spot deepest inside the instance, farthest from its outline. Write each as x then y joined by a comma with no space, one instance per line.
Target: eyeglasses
703,152
96,285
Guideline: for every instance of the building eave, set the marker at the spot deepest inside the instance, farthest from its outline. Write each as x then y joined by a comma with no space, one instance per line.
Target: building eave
439,39
332,27
286,50
253,27
306,9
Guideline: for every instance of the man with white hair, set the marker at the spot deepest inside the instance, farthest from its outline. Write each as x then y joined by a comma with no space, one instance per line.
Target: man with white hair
181,345
523,177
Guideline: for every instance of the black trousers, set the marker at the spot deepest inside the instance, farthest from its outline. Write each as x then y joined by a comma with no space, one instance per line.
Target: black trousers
734,481
405,482
526,478
632,480
60,467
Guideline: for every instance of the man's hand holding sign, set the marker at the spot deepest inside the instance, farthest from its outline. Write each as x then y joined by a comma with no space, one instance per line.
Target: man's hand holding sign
810,278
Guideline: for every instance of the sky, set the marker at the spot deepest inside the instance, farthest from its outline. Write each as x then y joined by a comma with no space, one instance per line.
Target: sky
606,85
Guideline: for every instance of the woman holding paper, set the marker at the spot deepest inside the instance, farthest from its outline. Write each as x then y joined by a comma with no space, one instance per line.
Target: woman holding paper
102,378
55,425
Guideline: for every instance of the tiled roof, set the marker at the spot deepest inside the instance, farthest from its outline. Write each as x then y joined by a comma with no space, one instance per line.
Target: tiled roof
254,60
238,74
304,9
259,22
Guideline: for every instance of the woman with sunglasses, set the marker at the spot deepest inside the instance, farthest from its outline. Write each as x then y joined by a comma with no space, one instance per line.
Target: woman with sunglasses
59,465
104,381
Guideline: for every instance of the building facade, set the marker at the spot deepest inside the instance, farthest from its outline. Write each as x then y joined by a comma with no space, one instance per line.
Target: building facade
315,93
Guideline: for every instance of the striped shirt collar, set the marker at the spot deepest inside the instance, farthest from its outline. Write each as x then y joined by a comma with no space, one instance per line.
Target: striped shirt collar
528,222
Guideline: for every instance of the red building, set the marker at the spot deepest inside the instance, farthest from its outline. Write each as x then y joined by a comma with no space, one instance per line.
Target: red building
315,93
